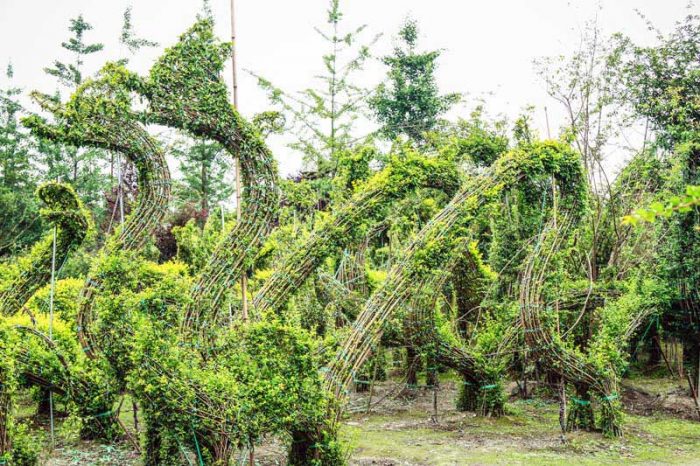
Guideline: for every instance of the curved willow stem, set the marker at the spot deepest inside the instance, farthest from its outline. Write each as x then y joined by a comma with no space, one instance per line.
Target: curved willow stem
99,115
345,301
398,178
479,372
575,366
432,247
186,91
538,336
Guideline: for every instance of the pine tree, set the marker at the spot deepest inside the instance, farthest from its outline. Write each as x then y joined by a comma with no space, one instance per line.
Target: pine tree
409,103
15,166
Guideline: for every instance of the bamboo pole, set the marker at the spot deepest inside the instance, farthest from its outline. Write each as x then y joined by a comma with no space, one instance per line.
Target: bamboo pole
223,228
655,339
244,278
562,407
434,417
371,387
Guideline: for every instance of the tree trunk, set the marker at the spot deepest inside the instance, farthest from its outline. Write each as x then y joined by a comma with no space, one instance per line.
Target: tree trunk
431,372
5,409
412,366
44,406
654,348
691,360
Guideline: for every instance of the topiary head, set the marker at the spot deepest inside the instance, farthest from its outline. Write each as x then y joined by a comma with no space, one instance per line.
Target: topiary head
63,208
98,114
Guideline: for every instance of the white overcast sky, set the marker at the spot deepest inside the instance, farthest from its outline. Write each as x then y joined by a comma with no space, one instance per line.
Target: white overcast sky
488,45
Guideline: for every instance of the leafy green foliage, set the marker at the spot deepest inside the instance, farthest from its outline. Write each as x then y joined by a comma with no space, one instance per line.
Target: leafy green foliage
661,80
18,209
203,167
128,36
410,104
64,210
65,161
682,204
71,74
662,86
473,254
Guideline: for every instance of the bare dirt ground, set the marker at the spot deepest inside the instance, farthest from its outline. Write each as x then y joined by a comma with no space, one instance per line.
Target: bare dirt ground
666,396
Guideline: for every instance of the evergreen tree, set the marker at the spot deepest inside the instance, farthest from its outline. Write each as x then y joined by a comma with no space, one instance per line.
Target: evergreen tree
409,102
203,167
323,118
16,171
71,74
19,219
79,167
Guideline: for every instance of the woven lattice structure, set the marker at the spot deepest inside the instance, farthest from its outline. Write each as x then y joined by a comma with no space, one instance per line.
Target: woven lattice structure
99,114
185,90
572,364
435,243
398,178
211,388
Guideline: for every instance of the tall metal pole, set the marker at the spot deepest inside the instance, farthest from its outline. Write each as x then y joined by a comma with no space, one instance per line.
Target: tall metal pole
51,299
244,278
120,192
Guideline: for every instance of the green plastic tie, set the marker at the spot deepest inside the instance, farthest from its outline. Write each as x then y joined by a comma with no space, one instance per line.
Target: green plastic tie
196,444
581,402
489,387
610,397
105,414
